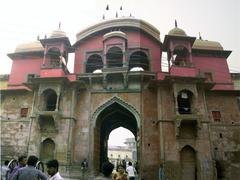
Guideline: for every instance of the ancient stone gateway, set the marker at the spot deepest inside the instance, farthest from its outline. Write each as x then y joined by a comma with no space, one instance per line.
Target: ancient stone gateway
112,114
183,111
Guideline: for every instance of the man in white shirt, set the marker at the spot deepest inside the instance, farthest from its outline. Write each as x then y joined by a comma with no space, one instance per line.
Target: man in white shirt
131,171
52,169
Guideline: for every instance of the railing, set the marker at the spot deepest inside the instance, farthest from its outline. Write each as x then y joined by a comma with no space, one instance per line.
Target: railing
50,107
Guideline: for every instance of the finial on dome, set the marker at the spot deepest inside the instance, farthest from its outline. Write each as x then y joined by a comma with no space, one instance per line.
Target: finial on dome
59,26
121,8
45,36
103,17
107,8
200,37
175,23
116,14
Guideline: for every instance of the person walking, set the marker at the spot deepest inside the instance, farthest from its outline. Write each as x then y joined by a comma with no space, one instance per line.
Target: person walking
52,169
22,161
131,171
29,172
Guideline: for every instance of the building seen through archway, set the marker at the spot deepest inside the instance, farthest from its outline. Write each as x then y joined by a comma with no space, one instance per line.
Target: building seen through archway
122,147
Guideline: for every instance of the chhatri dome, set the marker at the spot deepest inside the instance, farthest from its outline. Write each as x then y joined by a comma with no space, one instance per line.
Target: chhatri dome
207,45
58,33
36,45
177,31
29,47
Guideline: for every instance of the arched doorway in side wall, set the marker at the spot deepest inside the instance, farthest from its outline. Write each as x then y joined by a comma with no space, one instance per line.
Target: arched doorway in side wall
113,116
188,163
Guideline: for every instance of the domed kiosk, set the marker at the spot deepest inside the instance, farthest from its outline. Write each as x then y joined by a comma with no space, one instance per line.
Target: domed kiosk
29,47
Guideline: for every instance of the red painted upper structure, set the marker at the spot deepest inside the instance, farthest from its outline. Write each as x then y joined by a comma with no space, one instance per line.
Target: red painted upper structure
122,42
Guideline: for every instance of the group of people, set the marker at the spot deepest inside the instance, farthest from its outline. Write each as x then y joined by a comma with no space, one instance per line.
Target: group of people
26,170
122,172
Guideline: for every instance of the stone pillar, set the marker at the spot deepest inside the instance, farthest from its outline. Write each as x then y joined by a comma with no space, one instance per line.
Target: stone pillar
171,57
105,56
160,117
175,98
70,127
40,106
44,56
190,56
124,55
58,98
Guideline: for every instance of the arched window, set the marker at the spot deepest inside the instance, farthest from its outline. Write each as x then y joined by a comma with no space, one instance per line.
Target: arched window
49,100
54,56
47,149
184,101
181,55
139,59
94,62
114,57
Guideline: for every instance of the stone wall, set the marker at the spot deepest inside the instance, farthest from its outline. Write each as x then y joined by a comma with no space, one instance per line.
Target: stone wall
14,128
225,134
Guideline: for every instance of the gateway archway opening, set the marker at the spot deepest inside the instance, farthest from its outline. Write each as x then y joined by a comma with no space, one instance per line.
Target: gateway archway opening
112,117
122,147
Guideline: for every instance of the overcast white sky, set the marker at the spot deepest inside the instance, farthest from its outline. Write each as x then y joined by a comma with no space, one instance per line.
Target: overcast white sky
23,20
118,136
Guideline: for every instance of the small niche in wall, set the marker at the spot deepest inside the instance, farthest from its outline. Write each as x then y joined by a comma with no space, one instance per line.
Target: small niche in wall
24,112
148,144
220,135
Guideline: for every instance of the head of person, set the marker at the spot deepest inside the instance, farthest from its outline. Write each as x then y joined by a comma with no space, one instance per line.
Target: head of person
52,167
107,168
22,160
6,162
120,169
130,163
32,160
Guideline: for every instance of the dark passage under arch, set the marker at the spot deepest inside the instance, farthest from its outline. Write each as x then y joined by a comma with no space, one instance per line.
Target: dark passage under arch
110,118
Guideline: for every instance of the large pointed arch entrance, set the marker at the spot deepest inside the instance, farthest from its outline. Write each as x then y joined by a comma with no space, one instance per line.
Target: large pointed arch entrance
113,114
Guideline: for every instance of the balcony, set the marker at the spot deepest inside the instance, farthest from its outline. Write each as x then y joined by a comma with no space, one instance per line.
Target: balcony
192,119
47,124
184,71
53,69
